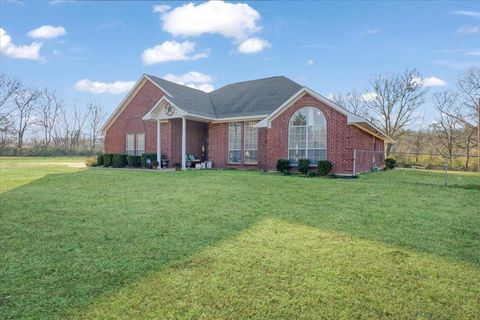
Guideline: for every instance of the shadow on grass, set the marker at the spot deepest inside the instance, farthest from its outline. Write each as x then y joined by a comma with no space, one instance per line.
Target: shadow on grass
69,238
279,270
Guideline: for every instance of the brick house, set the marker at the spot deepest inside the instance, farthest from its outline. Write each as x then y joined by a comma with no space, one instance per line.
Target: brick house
247,124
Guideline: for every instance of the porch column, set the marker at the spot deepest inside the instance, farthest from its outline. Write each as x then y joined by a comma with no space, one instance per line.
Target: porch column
159,149
184,142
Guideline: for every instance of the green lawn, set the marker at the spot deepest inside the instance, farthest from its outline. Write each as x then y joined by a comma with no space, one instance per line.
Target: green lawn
118,243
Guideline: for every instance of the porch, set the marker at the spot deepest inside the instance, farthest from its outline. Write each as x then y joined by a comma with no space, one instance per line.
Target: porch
178,136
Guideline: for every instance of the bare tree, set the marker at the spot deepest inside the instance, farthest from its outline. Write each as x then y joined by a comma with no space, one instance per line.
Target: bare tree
70,130
50,107
25,102
8,88
447,127
353,101
394,99
96,115
469,85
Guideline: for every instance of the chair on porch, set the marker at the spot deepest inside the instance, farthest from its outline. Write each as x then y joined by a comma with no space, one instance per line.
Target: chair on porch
191,161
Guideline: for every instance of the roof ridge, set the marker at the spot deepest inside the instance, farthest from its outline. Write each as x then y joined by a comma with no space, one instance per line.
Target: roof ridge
252,80
177,84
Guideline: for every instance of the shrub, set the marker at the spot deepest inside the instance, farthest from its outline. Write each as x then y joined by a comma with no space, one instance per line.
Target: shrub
312,174
390,162
283,165
91,162
324,167
100,160
303,165
107,159
119,160
145,156
134,161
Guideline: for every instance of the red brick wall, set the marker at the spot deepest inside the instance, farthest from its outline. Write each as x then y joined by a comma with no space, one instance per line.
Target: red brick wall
218,144
366,144
130,121
273,142
339,137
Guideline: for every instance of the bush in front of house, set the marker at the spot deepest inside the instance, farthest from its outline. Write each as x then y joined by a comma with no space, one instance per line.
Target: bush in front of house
283,165
324,167
119,160
134,161
390,162
91,162
100,160
145,156
107,159
303,165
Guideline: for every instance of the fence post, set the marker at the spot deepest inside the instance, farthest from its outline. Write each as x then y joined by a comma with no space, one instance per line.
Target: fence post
354,161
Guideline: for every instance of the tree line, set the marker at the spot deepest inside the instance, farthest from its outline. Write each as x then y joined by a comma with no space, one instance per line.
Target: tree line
39,122
393,103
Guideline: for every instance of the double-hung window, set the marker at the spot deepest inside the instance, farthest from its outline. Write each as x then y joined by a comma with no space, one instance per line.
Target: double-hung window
234,142
130,144
250,143
140,145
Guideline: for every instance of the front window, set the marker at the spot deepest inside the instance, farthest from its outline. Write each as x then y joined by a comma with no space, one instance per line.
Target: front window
307,136
130,144
140,146
251,143
234,142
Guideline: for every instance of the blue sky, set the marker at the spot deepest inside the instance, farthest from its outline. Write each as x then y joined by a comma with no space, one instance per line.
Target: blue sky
328,46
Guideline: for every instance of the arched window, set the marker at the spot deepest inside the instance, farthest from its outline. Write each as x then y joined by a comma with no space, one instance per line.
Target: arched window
307,136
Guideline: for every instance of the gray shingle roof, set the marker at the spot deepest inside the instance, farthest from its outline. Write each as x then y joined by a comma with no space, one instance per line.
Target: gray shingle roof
247,98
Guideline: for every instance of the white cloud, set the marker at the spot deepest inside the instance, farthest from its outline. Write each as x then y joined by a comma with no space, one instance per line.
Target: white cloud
8,48
474,14
468,29
370,32
161,8
253,45
192,79
473,53
104,87
172,51
310,62
433,82
231,20
47,32
369,96
192,76
237,21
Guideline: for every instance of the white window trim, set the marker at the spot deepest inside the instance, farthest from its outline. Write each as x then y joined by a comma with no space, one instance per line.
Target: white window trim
245,144
306,138
228,143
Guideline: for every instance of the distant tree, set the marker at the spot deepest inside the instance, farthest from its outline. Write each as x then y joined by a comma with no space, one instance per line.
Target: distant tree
8,88
25,103
96,115
49,111
394,100
353,101
447,128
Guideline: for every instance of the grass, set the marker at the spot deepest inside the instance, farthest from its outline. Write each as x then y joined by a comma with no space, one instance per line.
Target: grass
107,243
